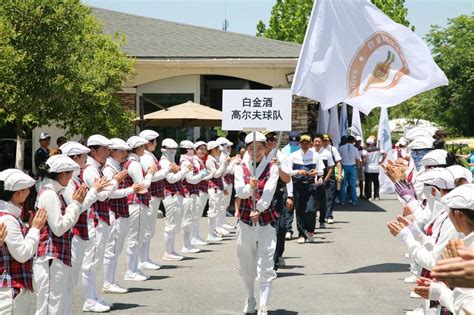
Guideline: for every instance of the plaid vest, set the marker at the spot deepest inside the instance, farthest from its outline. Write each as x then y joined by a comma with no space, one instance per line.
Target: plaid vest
204,184
216,183
270,215
14,274
173,189
157,188
229,179
80,228
119,206
128,182
191,189
100,209
58,247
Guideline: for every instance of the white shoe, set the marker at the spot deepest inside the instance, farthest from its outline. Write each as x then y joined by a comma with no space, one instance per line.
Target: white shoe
172,257
198,242
418,311
143,275
330,221
132,276
410,279
301,240
214,238
94,307
159,214
250,306
288,236
281,262
104,302
263,310
228,226
185,250
148,265
222,231
113,289
413,295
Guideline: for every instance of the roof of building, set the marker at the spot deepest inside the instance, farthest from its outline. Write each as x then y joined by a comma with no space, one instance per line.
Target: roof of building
159,39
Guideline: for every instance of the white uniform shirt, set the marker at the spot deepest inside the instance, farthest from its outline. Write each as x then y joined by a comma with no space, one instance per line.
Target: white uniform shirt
190,177
283,159
147,160
172,177
349,154
135,171
91,174
326,156
211,165
334,153
310,160
21,248
110,170
90,198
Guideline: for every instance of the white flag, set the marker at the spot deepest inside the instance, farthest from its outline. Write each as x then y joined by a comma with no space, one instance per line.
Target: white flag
384,142
323,121
343,121
356,127
333,130
354,53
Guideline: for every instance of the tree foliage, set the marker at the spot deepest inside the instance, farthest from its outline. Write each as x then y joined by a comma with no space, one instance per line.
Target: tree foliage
289,18
57,67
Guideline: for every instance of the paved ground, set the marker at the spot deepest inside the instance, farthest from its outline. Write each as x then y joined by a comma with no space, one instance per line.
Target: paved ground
355,268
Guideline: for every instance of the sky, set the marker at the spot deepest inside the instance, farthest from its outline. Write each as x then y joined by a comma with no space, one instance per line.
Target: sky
243,15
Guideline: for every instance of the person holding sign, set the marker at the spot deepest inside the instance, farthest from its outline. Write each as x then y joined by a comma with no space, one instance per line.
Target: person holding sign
256,180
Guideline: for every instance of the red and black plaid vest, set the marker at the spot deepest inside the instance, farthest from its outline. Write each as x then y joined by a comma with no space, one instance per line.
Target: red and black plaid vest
14,274
229,179
157,188
173,189
216,183
50,245
135,198
191,189
270,215
100,209
204,184
80,228
119,206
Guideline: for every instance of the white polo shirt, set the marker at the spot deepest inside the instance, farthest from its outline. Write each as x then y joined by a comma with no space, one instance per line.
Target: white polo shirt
349,154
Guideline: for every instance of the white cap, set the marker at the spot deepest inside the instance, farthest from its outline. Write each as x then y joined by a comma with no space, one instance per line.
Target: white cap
459,171
421,143
461,197
186,144
402,141
223,141
149,134
370,141
119,144
61,163
72,148
445,180
169,143
136,141
13,179
259,137
98,140
200,143
434,158
359,138
428,176
44,135
212,144
418,132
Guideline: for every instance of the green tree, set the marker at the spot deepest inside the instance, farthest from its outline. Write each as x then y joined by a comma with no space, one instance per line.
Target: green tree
289,18
58,68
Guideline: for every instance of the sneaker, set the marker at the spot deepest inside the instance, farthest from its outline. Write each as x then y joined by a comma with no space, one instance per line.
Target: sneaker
370,199
214,238
172,257
301,240
228,226
309,236
94,307
418,311
281,262
377,198
222,231
198,242
143,275
288,236
263,310
101,300
410,279
185,250
250,306
413,295
132,276
322,225
330,221
148,265
159,214
113,289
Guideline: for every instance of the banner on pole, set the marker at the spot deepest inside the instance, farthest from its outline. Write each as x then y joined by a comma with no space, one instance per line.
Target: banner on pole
261,109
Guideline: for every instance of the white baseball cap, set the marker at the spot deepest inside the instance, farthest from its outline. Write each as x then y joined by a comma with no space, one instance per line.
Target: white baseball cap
358,138
119,144
61,163
370,140
72,148
98,140
149,134
14,179
461,197
434,158
169,143
44,135
421,143
445,180
213,144
459,171
259,137
136,141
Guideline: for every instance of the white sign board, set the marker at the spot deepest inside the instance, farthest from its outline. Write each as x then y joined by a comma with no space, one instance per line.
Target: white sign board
256,109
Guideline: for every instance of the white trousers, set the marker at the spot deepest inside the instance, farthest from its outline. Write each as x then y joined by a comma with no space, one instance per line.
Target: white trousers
189,212
115,243
200,206
78,248
255,249
95,248
174,213
215,202
136,233
50,279
151,218
20,305
221,216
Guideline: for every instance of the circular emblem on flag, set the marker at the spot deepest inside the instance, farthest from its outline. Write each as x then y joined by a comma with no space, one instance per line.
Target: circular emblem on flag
379,63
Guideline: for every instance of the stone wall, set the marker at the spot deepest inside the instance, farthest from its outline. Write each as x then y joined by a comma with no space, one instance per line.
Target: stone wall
128,101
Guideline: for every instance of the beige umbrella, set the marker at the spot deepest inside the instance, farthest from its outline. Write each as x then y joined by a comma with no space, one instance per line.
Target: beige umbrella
188,114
